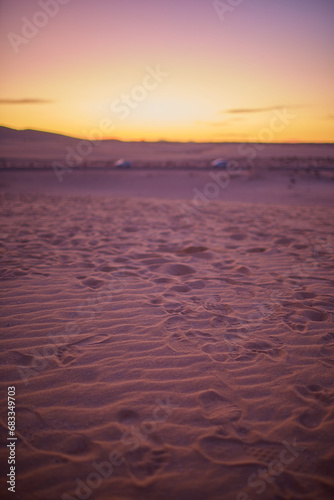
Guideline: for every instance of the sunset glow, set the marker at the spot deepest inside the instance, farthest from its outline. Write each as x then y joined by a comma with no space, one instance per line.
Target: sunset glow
220,75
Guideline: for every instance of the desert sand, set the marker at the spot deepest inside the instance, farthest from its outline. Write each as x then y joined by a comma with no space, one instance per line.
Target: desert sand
166,344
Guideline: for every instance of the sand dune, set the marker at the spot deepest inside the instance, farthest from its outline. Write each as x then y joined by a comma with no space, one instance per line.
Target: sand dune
164,355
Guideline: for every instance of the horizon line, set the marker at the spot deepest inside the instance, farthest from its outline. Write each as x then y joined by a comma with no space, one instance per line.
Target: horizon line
296,142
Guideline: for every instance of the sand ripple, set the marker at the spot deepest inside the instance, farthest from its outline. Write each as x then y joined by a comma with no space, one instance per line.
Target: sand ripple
186,354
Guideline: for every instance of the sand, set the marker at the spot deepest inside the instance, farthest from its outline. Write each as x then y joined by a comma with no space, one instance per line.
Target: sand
165,346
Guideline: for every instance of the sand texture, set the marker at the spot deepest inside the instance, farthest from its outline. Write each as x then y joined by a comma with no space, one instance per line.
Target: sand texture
160,353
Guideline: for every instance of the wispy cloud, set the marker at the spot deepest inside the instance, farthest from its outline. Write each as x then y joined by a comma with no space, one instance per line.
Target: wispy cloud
257,110
25,101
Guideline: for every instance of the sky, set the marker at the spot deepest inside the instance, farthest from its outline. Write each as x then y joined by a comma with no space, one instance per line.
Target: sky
176,70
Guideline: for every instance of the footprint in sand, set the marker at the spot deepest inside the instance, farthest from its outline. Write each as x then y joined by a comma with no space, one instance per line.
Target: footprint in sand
17,358
178,269
263,347
93,283
219,321
215,351
298,320
215,304
241,349
229,451
163,281
304,295
197,284
174,307
313,395
156,301
144,463
328,338
29,422
193,249
315,392
189,340
295,321
217,407
256,250
311,418
174,323
62,442
179,342
67,354
243,293
245,271
200,336
314,314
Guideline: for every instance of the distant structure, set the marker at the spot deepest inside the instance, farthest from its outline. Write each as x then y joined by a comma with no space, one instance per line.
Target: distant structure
122,163
219,163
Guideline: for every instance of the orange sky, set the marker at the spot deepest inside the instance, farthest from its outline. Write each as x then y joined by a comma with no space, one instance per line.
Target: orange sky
179,70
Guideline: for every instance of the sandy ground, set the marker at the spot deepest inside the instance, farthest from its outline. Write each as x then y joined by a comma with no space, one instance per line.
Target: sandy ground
166,344
32,145
198,187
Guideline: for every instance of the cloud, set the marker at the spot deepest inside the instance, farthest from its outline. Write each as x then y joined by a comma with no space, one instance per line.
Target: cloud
25,101
256,110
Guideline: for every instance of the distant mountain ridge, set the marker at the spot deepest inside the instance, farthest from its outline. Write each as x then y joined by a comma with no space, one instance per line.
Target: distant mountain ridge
7,133
30,135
